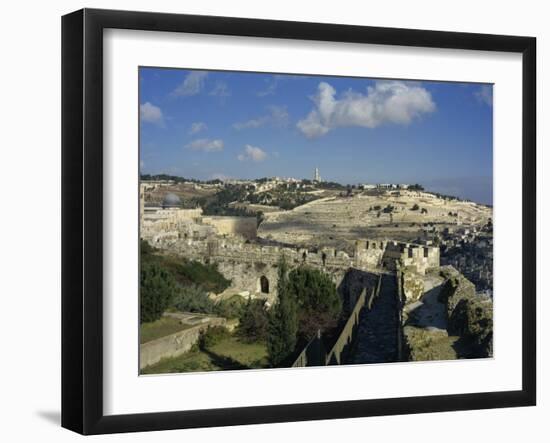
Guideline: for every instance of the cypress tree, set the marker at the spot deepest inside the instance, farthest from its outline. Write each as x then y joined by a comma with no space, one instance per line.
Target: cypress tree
283,320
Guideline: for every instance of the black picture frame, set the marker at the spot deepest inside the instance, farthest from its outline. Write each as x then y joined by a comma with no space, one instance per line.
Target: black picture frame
82,218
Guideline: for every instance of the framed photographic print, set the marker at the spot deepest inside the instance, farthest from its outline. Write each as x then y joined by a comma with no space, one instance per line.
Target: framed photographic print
269,221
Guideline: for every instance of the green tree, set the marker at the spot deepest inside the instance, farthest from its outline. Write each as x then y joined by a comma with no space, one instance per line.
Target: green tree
193,298
319,305
157,289
283,320
254,321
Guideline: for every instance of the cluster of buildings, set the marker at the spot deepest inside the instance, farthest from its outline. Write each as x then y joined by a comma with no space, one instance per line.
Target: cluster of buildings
382,186
470,250
267,184
169,222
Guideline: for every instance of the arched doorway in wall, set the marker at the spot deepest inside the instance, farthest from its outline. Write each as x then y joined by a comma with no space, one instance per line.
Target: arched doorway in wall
264,285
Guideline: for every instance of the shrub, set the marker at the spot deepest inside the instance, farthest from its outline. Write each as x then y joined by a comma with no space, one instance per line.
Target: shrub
230,308
254,321
193,298
415,207
186,272
157,290
145,248
212,336
207,276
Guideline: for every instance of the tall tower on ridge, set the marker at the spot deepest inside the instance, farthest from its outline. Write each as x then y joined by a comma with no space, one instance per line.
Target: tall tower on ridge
316,176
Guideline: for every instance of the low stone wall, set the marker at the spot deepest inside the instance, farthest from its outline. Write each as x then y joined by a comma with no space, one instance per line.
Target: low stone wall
173,345
341,348
315,354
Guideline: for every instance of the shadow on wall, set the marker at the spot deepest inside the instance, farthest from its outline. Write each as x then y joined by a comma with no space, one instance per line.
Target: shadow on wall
352,285
430,312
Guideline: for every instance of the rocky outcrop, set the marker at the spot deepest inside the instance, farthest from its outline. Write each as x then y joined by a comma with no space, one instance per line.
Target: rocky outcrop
413,285
469,316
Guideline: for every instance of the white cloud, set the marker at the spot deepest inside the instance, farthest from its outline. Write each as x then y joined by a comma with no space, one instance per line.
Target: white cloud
220,90
206,145
273,83
385,102
192,84
253,123
485,94
150,113
197,127
278,116
252,153
270,88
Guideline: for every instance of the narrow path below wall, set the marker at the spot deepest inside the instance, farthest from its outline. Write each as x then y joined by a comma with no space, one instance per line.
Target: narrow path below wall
377,333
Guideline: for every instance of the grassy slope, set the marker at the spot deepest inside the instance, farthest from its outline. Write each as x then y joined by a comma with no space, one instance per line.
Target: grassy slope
160,328
430,344
230,353
187,272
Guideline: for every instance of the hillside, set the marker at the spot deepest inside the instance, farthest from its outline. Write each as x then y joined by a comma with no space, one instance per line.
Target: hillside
338,220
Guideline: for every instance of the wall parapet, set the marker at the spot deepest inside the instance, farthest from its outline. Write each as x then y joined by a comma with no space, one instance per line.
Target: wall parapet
315,354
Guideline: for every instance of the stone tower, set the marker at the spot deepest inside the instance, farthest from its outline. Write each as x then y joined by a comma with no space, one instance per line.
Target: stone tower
316,176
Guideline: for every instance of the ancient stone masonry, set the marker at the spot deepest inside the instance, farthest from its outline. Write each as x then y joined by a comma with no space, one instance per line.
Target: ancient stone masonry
175,344
251,266
389,254
243,226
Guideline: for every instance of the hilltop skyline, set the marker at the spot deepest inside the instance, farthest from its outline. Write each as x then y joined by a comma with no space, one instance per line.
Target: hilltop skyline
208,125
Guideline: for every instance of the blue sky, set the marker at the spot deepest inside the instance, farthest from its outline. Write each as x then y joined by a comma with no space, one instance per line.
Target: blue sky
210,124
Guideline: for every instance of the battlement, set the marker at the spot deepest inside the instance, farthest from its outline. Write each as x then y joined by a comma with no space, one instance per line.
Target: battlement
252,267
389,254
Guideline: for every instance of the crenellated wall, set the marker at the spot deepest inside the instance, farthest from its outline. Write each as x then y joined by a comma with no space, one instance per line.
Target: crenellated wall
252,267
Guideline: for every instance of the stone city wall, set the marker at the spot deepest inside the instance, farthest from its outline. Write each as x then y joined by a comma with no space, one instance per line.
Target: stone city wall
247,264
243,226
339,353
406,254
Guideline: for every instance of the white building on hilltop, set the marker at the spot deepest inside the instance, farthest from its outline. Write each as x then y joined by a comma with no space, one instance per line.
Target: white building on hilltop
316,175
